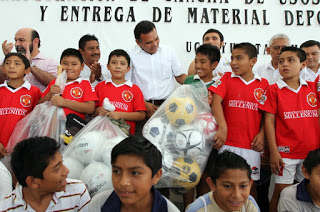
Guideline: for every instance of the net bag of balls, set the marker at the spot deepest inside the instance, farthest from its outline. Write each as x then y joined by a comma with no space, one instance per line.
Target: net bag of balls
182,128
88,156
45,120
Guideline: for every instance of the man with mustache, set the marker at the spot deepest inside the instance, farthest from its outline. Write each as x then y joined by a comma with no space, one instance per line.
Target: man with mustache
43,70
90,50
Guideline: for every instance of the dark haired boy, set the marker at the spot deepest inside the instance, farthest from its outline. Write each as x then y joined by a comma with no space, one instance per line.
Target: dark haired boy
230,182
312,49
18,97
90,49
43,184
235,104
215,38
136,168
291,121
125,96
78,96
304,196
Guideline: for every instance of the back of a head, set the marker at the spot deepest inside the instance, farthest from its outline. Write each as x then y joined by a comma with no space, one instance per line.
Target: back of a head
228,160
140,147
249,49
310,43
279,36
119,52
212,52
70,52
31,156
35,34
84,39
299,52
213,31
312,160
25,61
143,27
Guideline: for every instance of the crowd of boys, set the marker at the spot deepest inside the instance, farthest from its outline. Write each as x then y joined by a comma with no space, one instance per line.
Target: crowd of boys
272,108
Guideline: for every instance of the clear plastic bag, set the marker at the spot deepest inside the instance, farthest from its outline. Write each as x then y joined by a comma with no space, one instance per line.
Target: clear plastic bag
45,120
88,157
183,128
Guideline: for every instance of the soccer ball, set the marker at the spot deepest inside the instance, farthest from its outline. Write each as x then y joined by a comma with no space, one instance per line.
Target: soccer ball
75,167
97,177
159,132
180,111
207,124
107,147
186,173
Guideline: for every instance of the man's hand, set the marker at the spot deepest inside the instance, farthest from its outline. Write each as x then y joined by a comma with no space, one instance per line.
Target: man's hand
54,89
3,151
57,100
7,47
220,137
276,162
258,142
96,70
151,109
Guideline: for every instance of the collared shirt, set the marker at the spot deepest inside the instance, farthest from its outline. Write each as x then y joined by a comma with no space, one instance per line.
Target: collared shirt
268,72
109,201
5,182
222,67
297,198
45,64
155,73
308,75
195,78
74,198
85,73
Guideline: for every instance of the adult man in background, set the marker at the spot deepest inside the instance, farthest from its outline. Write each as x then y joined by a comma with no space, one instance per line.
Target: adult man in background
43,70
312,49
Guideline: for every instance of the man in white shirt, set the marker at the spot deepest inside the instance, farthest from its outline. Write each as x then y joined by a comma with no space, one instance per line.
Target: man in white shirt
270,70
154,68
90,50
312,49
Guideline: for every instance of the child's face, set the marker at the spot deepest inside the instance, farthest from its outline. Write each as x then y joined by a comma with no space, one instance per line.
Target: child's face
14,68
204,67
132,180
73,66
241,64
231,189
54,176
118,67
314,185
289,65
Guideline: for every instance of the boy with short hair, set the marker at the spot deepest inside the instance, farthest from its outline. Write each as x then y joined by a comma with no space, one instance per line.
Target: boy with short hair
235,104
43,184
291,121
136,168
230,182
18,97
125,96
304,196
78,96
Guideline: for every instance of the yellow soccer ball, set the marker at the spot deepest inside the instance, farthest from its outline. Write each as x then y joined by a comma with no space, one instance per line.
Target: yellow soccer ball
181,111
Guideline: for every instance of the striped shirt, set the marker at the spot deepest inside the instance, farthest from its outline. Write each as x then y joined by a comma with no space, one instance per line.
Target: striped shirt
74,198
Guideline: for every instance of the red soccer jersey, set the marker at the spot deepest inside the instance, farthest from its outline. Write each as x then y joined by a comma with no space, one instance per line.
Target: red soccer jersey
318,88
240,104
14,105
126,98
296,118
79,90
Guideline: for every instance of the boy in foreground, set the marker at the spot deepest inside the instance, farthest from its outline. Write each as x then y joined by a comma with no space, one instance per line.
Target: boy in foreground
291,121
230,182
136,168
43,184
304,196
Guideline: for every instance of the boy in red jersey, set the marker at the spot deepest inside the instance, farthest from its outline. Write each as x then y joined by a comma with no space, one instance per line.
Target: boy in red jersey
291,120
18,97
235,104
78,96
125,96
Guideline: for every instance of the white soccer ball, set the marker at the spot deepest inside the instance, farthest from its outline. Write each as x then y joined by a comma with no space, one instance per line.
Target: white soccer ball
75,167
188,137
97,177
167,160
107,147
206,123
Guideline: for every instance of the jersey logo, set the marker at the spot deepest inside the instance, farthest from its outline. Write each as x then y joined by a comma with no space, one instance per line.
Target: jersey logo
284,149
255,170
127,96
76,92
259,95
26,100
216,83
312,99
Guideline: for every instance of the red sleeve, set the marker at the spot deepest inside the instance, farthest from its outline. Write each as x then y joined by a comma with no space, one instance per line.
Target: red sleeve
46,91
89,93
271,102
97,89
220,86
138,104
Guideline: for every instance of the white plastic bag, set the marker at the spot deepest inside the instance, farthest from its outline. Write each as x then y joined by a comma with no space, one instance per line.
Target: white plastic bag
183,128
